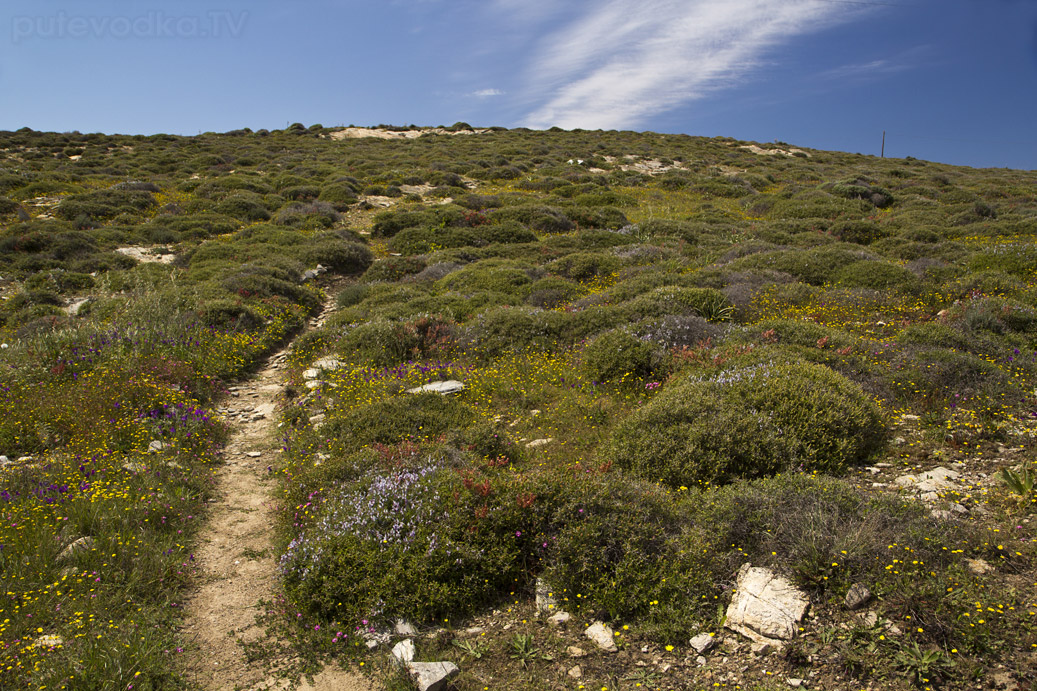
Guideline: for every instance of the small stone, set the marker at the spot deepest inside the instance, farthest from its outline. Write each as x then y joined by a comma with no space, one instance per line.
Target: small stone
474,630
443,388
375,638
545,599
432,676
311,374
48,641
404,628
537,443
857,596
317,419
327,364
576,651
764,648
602,635
253,454
869,619
701,661
559,618
703,643
795,683
156,446
730,645
979,567
83,544
575,672
403,652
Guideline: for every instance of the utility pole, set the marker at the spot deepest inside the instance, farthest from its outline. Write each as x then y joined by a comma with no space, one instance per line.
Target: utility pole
883,154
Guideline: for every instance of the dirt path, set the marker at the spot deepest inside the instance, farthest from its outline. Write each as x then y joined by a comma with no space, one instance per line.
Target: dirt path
235,555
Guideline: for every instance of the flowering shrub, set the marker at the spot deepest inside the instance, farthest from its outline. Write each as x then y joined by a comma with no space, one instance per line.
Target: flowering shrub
398,546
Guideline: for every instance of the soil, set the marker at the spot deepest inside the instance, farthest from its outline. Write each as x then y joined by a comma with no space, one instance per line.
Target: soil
237,568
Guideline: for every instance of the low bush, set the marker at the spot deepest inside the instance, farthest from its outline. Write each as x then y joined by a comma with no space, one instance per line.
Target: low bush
585,266
310,215
245,206
543,219
494,275
393,269
618,354
878,275
750,422
105,204
338,256
229,315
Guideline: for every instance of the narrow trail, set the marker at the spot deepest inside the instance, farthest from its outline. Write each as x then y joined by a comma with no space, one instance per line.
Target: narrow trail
235,556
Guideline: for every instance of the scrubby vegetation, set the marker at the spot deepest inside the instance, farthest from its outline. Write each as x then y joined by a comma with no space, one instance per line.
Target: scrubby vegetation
669,370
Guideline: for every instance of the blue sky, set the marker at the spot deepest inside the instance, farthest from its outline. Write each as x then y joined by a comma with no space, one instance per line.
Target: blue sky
949,80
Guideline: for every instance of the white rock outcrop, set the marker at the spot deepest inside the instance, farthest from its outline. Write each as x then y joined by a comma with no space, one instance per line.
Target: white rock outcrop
766,608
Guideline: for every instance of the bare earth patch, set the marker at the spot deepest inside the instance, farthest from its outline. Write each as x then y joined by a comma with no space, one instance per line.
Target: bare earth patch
375,133
774,152
147,255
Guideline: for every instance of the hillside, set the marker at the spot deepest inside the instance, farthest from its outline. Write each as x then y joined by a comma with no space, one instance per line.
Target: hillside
666,357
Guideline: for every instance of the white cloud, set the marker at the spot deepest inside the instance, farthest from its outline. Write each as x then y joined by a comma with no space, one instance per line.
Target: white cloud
878,68
622,61
487,93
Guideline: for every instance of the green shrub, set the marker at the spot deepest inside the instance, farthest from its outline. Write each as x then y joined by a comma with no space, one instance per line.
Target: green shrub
388,223
340,195
815,266
1016,258
494,275
584,266
339,256
500,330
937,379
104,204
820,205
618,354
750,422
507,232
406,417
245,206
858,232
552,291
708,303
8,206
393,269
352,295
228,315
264,282
878,276
310,215
194,226
399,546
425,239
621,553
487,441
544,219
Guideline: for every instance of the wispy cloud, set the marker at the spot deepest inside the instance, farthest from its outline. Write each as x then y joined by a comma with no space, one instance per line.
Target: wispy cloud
487,93
621,61
878,68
